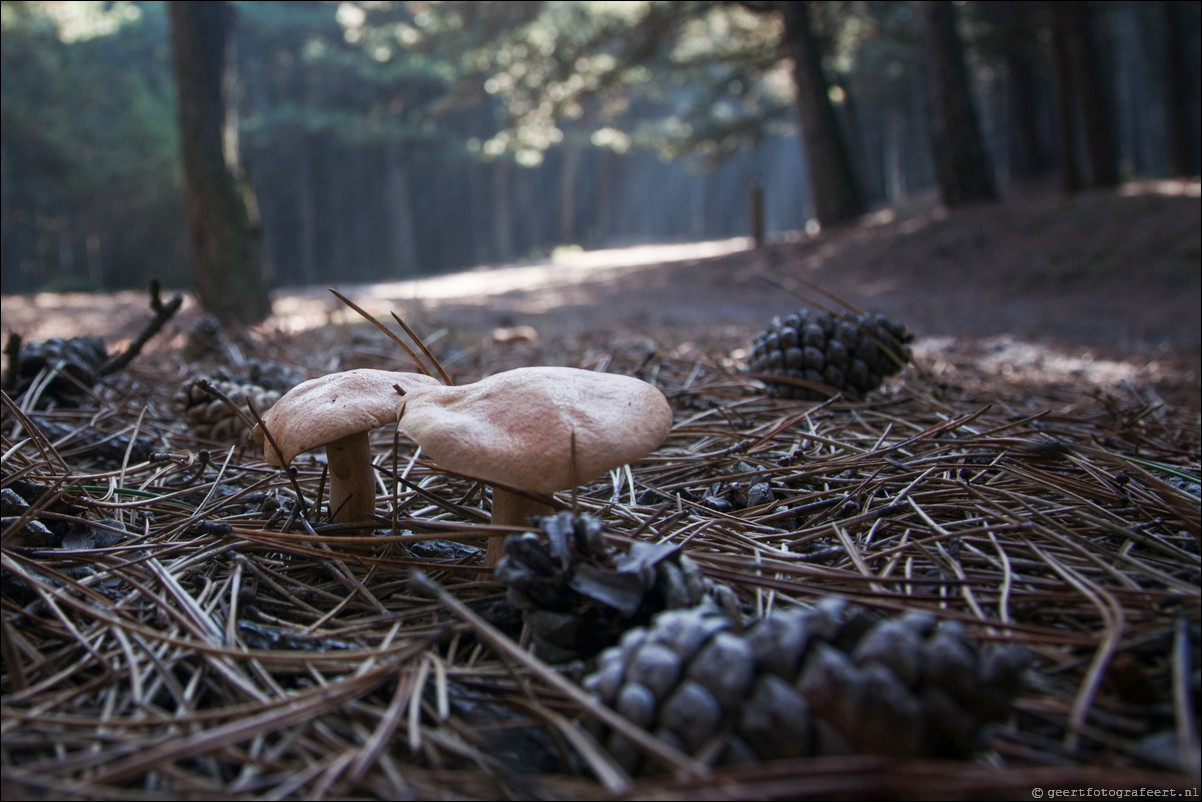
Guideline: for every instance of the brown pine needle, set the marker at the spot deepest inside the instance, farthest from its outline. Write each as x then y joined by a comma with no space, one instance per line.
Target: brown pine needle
387,332
422,345
174,626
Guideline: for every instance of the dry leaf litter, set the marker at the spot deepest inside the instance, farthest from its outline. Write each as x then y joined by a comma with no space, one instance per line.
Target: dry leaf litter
922,593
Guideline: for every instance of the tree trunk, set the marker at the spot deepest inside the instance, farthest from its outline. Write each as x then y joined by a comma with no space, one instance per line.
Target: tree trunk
306,200
607,196
338,214
1028,158
836,196
529,228
1020,49
355,228
567,191
1176,91
962,165
502,221
1066,116
895,178
227,253
398,217
1081,84
1097,106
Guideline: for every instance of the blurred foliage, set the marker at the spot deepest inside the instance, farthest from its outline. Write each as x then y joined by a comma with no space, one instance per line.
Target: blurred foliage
360,120
680,77
76,98
337,69
90,143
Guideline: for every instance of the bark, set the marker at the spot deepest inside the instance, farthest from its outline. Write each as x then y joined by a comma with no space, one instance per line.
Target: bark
1176,91
1083,89
567,191
895,177
1014,36
606,201
339,214
755,201
368,248
1020,50
402,257
1066,117
226,244
1097,110
1027,154
525,198
478,215
962,164
306,200
502,221
836,196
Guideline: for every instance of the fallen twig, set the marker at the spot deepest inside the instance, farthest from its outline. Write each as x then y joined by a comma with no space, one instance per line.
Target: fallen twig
162,313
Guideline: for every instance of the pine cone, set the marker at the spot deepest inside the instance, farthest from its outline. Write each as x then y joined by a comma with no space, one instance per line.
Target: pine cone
827,680
210,418
826,354
81,358
578,596
274,376
205,340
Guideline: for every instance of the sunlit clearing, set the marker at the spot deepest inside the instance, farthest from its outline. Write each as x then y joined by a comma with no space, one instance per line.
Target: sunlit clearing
1019,360
568,267
76,314
882,217
1176,187
649,254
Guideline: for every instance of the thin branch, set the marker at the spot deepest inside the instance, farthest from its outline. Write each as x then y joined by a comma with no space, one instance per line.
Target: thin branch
162,313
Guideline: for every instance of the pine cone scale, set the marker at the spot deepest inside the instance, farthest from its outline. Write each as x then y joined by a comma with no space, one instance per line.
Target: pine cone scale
832,679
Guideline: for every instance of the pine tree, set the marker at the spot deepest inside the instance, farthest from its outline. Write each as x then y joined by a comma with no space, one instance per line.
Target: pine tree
228,263
962,164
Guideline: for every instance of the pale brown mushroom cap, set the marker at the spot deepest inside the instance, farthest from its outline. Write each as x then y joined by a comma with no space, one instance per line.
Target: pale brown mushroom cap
331,407
516,427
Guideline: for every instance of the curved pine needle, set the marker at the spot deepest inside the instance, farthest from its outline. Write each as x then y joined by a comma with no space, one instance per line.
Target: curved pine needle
1112,615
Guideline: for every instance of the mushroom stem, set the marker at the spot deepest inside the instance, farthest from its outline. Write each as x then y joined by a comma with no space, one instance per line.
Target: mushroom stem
509,509
352,481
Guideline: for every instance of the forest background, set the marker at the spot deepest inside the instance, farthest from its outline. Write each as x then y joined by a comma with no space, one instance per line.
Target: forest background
394,140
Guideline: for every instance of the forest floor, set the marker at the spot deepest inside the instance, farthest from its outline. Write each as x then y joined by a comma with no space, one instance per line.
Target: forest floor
181,621
1094,289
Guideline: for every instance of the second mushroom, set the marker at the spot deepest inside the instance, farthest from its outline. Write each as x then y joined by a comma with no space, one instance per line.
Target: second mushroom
538,429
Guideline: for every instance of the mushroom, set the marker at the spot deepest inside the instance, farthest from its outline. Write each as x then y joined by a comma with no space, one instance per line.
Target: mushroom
539,429
535,429
337,411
